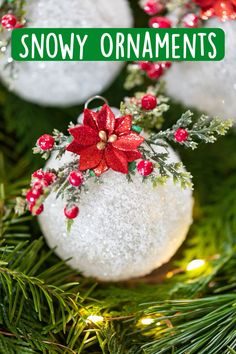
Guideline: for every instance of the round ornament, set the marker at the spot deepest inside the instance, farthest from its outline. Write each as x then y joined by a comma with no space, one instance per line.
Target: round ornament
124,230
66,83
208,86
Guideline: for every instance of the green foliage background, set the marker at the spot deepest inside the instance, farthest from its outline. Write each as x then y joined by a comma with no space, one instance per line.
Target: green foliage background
44,305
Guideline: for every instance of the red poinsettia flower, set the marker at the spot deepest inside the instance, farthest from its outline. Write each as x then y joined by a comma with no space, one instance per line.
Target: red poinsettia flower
104,142
225,9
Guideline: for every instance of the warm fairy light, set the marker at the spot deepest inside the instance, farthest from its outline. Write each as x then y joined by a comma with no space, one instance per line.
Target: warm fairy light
195,264
94,319
146,321
169,275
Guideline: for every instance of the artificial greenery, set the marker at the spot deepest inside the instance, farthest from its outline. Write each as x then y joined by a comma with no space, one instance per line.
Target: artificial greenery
45,307
154,148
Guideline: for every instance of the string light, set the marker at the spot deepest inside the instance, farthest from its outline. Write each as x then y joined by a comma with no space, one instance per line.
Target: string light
169,275
94,319
146,321
195,264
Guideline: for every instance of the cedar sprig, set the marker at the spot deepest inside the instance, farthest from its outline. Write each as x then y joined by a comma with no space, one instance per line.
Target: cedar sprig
164,169
135,77
205,129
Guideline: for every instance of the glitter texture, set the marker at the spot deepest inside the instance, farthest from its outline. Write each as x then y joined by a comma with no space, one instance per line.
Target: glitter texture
124,230
67,83
208,86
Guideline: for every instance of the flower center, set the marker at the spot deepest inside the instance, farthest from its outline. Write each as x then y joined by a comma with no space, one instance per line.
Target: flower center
104,139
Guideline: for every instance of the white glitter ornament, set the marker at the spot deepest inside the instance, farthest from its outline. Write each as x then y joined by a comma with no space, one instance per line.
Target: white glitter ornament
208,86
67,83
124,230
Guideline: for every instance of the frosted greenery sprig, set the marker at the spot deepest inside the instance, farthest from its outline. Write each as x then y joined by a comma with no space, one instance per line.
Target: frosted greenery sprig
135,77
147,119
205,129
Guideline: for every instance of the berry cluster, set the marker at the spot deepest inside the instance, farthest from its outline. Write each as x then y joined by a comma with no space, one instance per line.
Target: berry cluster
189,20
191,15
40,181
76,179
224,9
148,103
154,70
45,143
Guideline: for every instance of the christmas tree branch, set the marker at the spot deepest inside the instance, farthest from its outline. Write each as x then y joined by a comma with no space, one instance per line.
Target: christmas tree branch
201,326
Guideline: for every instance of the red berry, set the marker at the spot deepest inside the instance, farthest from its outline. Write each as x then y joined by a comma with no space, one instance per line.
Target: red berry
145,65
181,135
71,213
155,72
9,21
205,14
145,168
190,21
159,22
19,25
153,7
30,197
224,9
37,211
149,102
49,178
204,3
46,142
37,186
76,178
166,65
39,174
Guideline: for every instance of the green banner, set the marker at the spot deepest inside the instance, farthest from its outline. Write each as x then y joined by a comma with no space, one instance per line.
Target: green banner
118,44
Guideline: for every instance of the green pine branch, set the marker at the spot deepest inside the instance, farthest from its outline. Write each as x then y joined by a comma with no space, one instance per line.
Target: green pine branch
201,326
22,280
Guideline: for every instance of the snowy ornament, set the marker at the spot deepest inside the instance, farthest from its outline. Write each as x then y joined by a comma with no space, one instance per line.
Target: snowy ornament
124,230
208,86
66,83
100,179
